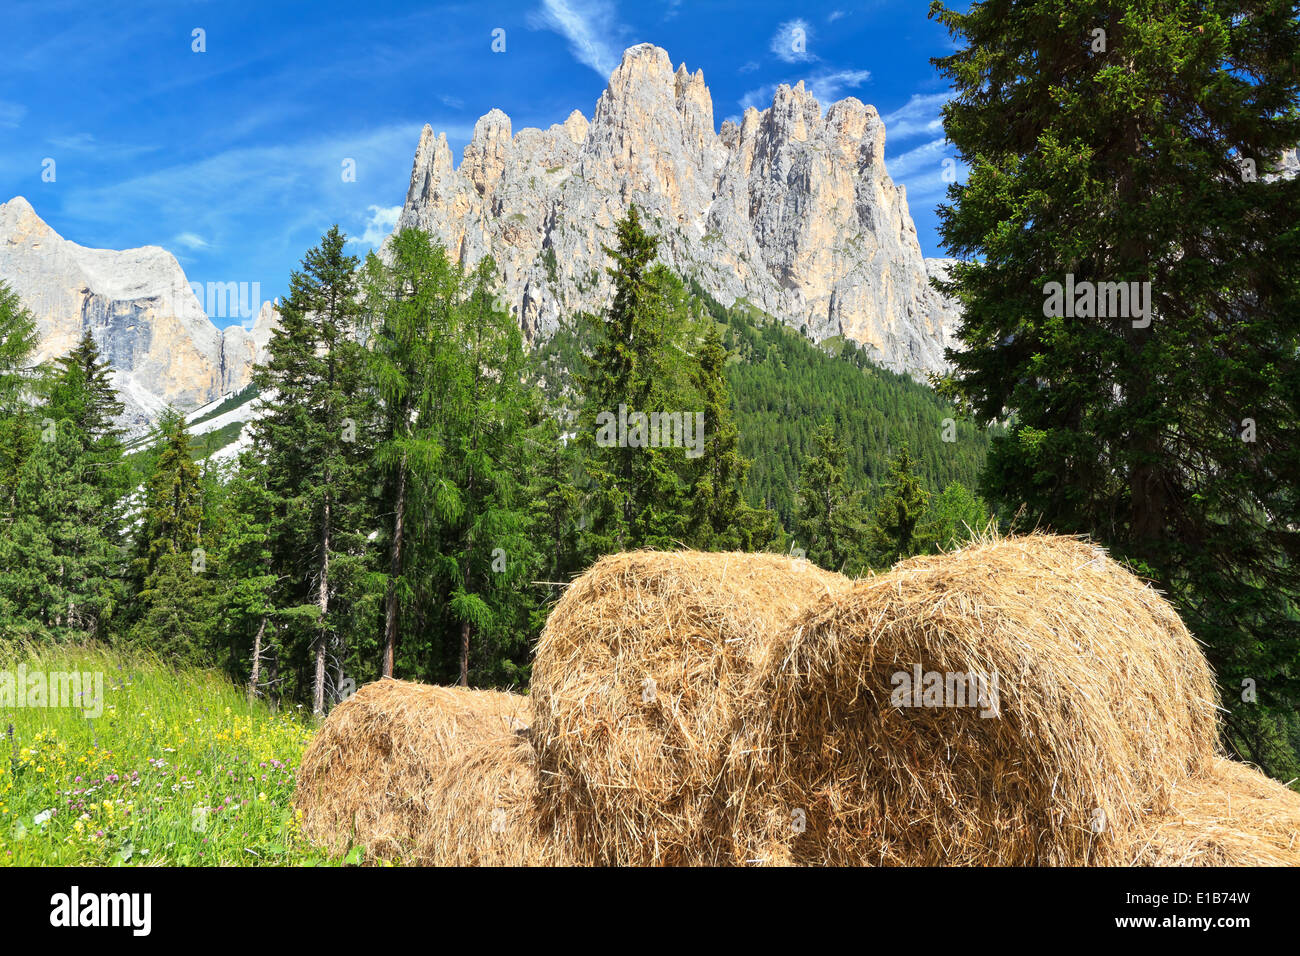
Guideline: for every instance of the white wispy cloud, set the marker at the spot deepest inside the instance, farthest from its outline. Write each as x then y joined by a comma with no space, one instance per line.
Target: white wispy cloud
919,116
379,225
790,42
11,114
88,143
835,15
827,86
927,171
298,185
190,240
590,26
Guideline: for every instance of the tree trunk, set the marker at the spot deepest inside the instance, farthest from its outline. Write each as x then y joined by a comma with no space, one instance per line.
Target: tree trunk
464,653
318,683
394,570
256,676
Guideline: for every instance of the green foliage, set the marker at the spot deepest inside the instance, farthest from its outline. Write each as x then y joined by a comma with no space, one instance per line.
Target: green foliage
831,518
955,516
899,512
784,387
1173,441
313,444
60,557
176,606
179,769
658,446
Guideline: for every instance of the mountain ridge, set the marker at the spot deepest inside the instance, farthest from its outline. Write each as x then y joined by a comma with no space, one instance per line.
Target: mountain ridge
791,210
139,308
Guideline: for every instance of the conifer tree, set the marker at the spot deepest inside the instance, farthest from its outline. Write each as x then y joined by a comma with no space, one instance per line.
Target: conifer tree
312,439
1132,141
953,517
892,535
61,561
413,360
490,547
175,599
18,344
829,511
639,493
721,519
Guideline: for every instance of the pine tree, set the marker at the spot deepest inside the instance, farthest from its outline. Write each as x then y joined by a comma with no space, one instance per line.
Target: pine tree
954,516
829,511
60,561
312,440
1128,141
892,535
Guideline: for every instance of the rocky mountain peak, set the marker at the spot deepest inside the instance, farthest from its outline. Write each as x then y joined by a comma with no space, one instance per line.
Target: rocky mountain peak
137,305
791,210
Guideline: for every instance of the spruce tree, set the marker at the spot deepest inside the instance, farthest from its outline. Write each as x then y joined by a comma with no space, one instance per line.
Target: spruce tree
175,598
831,522
61,560
173,502
638,494
721,519
892,535
312,439
1132,141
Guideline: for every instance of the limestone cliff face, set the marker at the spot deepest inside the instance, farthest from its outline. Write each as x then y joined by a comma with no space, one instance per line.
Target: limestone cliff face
139,308
792,209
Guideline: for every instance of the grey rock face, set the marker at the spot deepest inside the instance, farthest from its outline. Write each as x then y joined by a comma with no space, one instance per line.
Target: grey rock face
138,307
792,210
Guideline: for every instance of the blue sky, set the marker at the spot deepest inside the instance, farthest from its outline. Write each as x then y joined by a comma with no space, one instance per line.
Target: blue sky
232,158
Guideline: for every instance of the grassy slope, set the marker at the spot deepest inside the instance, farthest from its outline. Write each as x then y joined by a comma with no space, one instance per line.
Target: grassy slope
179,769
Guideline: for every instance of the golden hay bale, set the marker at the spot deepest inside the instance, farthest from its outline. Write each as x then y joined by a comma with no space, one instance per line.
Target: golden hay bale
440,776
637,689
1229,815
1104,705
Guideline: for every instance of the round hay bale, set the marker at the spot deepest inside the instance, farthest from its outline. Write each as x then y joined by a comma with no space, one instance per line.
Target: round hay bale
637,688
441,776
1229,815
1017,702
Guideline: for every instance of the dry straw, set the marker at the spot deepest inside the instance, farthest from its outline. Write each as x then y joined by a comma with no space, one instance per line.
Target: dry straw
432,775
1230,815
639,696
695,708
1104,705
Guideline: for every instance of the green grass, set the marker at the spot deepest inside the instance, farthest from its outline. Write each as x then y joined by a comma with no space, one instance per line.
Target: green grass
201,446
179,769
